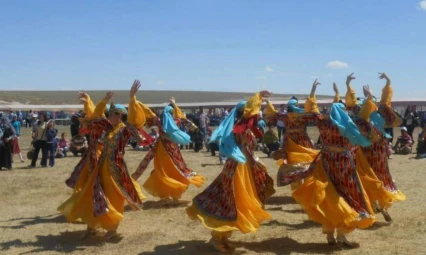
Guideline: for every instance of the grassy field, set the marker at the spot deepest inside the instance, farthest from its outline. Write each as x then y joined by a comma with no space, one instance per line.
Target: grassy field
122,96
30,223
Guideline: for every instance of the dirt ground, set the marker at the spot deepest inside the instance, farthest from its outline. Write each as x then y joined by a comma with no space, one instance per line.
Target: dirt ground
30,223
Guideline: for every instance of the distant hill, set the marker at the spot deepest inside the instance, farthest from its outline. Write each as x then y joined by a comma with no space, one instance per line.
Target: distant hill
121,96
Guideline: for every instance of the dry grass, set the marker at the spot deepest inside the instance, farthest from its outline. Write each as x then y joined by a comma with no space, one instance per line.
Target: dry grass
30,224
122,96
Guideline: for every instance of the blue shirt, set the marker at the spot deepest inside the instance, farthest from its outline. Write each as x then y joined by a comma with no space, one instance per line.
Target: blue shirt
17,126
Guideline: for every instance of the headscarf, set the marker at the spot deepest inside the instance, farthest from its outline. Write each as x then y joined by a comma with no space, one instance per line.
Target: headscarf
172,130
119,108
225,137
292,106
346,126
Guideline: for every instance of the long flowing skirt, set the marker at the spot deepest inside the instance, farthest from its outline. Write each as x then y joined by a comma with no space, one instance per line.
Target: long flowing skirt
230,202
334,195
166,180
298,158
375,187
80,206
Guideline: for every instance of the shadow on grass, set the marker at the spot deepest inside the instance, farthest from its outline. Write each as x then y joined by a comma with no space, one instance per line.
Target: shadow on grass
65,242
280,200
307,224
26,222
278,246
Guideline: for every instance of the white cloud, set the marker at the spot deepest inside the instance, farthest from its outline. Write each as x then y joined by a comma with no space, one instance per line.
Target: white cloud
269,69
161,82
260,77
336,64
422,5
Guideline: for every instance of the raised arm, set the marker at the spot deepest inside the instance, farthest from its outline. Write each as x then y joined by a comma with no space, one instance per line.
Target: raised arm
253,105
87,102
336,98
177,112
350,97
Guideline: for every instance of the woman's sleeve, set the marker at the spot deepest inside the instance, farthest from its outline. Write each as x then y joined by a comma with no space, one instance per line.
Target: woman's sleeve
385,108
311,105
350,97
177,112
252,107
367,109
89,107
336,98
136,116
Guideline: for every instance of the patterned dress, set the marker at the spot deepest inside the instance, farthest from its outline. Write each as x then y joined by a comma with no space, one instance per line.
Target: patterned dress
99,202
235,199
171,175
333,194
376,154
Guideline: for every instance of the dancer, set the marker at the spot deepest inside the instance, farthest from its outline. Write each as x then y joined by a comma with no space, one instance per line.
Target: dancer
297,151
235,200
89,159
333,193
376,154
100,202
171,176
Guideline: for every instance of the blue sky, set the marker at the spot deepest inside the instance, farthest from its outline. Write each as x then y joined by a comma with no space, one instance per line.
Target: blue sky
244,45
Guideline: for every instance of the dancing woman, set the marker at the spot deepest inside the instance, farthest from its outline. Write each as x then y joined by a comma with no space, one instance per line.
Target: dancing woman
90,158
297,151
171,175
100,202
332,193
374,119
234,201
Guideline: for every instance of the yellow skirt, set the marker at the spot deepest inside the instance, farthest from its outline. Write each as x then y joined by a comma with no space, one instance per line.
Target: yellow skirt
165,180
296,154
324,205
249,208
375,188
79,207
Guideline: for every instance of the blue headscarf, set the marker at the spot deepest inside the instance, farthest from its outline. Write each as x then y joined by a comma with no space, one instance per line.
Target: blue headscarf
118,108
226,139
292,105
261,124
172,130
347,127
376,119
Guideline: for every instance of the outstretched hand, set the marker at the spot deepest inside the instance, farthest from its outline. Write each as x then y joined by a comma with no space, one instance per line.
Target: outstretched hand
83,97
367,91
349,78
109,95
265,94
172,100
383,76
335,88
135,87
316,83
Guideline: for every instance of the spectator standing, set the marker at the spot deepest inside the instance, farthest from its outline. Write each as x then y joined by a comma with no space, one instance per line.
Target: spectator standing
28,118
39,141
410,120
203,122
51,142
7,134
15,144
280,123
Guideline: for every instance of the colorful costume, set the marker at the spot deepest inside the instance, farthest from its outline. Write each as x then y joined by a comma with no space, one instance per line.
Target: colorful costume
333,194
372,120
297,147
171,176
102,189
235,199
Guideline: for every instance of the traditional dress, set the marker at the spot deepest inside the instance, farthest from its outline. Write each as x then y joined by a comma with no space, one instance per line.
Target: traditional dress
372,121
333,193
297,147
171,175
235,199
89,159
101,191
